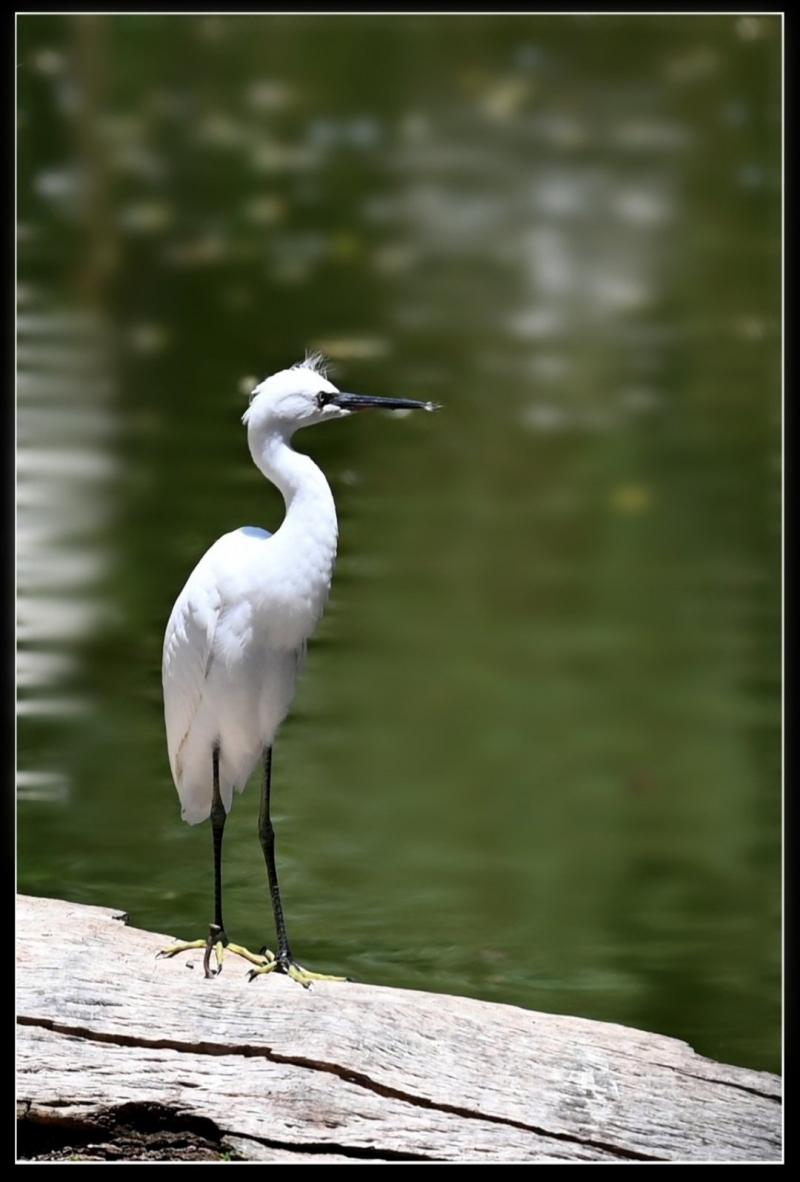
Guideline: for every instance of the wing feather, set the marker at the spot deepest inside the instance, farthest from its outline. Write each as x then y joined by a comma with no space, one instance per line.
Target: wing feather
187,655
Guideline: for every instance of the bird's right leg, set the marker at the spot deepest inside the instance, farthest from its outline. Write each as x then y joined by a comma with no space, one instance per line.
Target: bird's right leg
285,962
217,940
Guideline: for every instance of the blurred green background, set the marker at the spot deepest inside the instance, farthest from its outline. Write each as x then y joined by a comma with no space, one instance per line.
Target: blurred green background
535,753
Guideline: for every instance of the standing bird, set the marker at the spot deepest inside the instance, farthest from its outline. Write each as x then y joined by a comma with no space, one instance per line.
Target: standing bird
237,636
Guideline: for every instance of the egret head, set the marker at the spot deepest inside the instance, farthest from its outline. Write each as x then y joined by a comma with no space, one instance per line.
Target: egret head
302,396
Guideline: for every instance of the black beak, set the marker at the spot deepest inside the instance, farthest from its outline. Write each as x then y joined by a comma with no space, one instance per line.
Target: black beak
367,402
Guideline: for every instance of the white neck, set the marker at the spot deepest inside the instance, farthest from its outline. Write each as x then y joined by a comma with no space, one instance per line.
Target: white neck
309,530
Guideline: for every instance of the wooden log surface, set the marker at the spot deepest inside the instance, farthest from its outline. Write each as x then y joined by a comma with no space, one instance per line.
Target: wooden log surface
123,1056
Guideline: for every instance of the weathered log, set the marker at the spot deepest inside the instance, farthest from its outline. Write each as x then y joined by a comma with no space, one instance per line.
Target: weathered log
122,1055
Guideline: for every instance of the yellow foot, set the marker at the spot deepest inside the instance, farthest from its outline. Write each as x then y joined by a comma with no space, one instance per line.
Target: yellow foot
217,942
292,969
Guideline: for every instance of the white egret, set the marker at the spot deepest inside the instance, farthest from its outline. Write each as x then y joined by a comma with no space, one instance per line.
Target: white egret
237,636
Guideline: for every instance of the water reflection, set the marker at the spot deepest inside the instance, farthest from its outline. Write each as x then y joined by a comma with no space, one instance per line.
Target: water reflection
535,754
64,467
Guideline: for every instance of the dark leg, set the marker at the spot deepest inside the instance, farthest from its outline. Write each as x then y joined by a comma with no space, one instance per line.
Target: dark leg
216,934
217,940
218,816
266,836
284,961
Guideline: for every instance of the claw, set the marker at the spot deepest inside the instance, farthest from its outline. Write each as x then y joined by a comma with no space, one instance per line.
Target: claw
207,970
174,949
305,978
268,967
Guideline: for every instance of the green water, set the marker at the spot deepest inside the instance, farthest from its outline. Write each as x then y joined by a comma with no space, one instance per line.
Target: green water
535,755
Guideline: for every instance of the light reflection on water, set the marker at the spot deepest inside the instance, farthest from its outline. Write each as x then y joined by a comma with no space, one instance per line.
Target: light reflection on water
64,467
534,756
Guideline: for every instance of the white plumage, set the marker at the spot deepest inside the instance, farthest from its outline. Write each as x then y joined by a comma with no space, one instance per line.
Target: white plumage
225,679
237,633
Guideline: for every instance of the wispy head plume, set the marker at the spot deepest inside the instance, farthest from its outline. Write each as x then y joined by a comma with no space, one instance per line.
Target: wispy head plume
315,361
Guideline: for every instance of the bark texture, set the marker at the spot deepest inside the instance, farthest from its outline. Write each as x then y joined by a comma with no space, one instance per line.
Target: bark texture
122,1056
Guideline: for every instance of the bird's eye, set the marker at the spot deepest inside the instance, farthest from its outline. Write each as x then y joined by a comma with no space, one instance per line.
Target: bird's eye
323,398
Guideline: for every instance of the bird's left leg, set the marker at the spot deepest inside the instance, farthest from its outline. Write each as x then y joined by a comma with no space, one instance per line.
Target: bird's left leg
284,962
217,940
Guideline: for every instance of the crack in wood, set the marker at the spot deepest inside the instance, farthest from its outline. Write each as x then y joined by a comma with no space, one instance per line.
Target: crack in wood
724,1083
348,1076
710,1079
330,1148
